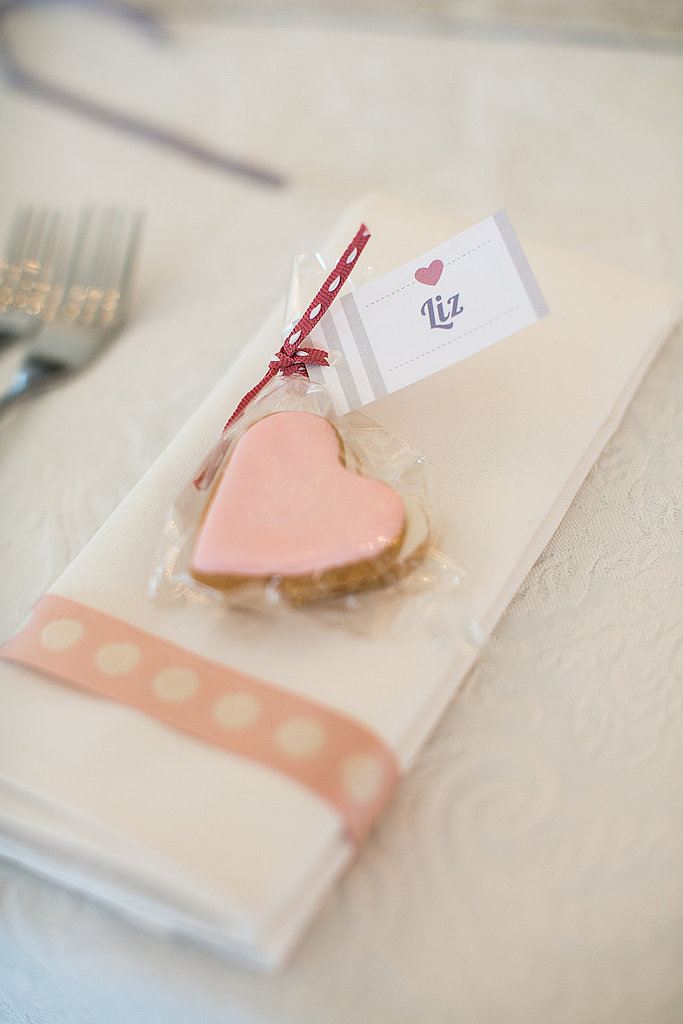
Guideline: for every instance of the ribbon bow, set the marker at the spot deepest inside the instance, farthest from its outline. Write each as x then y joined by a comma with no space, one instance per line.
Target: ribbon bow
293,359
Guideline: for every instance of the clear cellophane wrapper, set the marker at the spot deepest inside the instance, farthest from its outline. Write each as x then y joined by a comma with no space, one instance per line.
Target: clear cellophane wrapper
420,580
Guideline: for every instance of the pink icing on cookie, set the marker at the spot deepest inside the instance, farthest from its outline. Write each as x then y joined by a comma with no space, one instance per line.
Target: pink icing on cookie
287,506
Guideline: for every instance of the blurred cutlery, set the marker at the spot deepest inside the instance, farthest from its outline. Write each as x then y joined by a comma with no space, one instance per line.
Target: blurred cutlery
86,302
27,269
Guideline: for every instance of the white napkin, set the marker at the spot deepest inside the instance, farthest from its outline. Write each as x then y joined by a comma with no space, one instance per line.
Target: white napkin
187,838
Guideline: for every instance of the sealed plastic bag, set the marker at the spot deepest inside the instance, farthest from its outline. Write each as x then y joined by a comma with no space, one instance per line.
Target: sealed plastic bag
295,507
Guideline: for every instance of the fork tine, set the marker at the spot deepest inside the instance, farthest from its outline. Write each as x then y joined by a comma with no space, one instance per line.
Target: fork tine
34,236
27,274
39,263
108,280
99,266
18,232
48,254
31,236
119,265
103,238
78,258
76,268
129,250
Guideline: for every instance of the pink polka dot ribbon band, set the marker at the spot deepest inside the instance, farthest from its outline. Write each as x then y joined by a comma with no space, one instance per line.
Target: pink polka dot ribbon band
339,759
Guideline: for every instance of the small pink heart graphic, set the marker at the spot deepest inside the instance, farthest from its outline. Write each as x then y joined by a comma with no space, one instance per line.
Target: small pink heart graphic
431,274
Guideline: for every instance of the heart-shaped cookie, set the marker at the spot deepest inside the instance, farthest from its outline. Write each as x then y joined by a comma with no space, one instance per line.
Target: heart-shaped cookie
287,507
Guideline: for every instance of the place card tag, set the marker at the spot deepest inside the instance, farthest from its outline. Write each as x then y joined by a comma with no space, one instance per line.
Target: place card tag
439,308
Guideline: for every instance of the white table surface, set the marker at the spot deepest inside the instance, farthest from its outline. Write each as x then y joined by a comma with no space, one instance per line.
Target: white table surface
529,867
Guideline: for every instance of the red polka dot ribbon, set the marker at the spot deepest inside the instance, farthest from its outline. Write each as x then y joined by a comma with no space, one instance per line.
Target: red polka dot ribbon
338,758
292,357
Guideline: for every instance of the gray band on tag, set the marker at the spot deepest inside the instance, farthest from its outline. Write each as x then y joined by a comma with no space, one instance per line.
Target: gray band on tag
346,381
370,364
524,271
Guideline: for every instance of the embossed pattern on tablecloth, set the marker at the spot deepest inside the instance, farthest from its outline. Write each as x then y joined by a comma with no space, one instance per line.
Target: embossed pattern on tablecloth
539,831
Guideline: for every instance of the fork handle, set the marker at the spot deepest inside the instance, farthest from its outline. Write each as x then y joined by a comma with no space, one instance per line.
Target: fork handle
36,374
16,327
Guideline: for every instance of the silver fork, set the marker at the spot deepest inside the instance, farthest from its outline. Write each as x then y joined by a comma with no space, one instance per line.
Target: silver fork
27,269
86,303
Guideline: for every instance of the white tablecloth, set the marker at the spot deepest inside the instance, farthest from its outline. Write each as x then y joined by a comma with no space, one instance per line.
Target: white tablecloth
529,868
